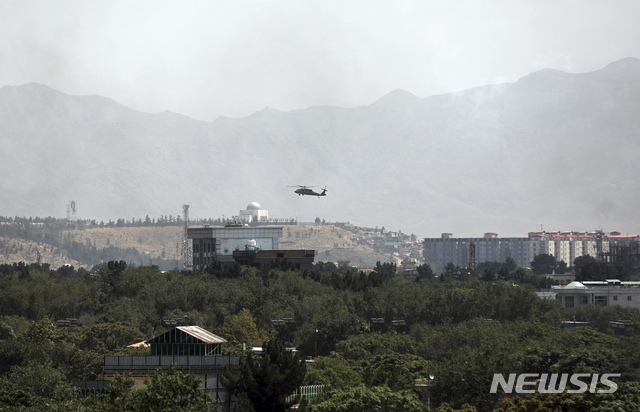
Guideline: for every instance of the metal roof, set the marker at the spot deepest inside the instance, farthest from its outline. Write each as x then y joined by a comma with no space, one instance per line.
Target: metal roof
142,344
202,334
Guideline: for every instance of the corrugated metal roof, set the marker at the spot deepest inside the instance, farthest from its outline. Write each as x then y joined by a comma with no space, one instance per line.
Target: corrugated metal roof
202,334
142,344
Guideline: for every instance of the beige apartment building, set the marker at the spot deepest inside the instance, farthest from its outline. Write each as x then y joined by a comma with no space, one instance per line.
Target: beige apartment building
565,246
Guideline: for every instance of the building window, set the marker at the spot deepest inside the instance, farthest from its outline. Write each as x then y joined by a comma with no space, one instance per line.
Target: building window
629,297
568,301
600,300
615,298
585,300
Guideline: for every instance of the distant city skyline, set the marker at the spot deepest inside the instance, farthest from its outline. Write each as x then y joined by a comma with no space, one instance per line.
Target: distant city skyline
209,59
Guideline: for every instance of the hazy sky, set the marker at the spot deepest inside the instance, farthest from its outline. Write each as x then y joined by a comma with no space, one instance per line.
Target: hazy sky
210,58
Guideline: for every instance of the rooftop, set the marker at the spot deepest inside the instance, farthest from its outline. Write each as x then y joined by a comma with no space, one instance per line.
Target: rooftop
199,333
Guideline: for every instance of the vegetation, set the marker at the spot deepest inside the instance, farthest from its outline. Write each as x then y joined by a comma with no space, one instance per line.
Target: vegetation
267,380
545,264
460,327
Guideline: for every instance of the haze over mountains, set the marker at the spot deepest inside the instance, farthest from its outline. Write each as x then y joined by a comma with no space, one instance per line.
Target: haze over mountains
554,148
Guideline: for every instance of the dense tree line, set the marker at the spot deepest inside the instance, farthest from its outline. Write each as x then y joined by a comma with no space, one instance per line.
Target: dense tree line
461,328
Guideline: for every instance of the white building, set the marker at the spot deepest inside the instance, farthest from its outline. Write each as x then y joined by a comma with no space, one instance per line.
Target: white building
606,293
254,213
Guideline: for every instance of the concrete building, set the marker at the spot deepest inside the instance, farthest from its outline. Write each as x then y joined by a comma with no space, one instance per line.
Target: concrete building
565,246
606,293
299,259
191,349
254,213
219,243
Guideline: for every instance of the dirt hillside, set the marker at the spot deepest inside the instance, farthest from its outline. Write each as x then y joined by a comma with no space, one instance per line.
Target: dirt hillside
332,243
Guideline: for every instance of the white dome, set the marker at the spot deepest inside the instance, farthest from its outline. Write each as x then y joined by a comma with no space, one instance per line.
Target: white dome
575,285
254,206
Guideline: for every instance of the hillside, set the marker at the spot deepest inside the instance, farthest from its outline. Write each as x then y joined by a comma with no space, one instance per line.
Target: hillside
332,243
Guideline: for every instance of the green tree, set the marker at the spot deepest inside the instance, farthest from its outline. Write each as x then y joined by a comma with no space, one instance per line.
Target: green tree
6,332
396,371
424,271
544,264
361,346
370,399
488,275
562,267
332,371
595,271
41,379
580,261
386,268
172,391
267,379
42,332
168,391
451,270
244,404
445,407
242,329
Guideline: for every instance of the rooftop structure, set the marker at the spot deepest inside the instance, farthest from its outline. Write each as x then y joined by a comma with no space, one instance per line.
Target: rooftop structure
186,340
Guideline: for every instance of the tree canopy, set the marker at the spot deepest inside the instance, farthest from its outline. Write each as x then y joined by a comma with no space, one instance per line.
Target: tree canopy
459,328
266,380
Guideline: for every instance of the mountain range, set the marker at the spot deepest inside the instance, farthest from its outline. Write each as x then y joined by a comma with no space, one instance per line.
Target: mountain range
555,150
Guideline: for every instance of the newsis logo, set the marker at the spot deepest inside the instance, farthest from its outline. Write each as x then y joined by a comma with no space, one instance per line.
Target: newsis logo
548,383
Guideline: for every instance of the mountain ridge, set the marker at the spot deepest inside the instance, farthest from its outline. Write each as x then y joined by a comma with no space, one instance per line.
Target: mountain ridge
552,149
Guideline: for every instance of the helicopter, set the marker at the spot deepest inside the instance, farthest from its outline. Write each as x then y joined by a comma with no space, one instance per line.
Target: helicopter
305,191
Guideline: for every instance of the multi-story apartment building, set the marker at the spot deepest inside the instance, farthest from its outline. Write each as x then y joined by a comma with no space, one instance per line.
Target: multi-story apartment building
565,246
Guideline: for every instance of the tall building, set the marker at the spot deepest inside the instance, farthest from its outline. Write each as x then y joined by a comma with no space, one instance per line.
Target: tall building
565,246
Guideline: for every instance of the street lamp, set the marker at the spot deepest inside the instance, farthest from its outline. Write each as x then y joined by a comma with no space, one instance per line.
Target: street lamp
424,385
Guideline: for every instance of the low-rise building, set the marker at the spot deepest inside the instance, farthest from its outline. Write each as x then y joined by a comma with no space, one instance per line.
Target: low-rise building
191,349
299,259
606,293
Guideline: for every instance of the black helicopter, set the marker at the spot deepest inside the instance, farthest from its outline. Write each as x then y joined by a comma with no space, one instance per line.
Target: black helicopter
305,191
